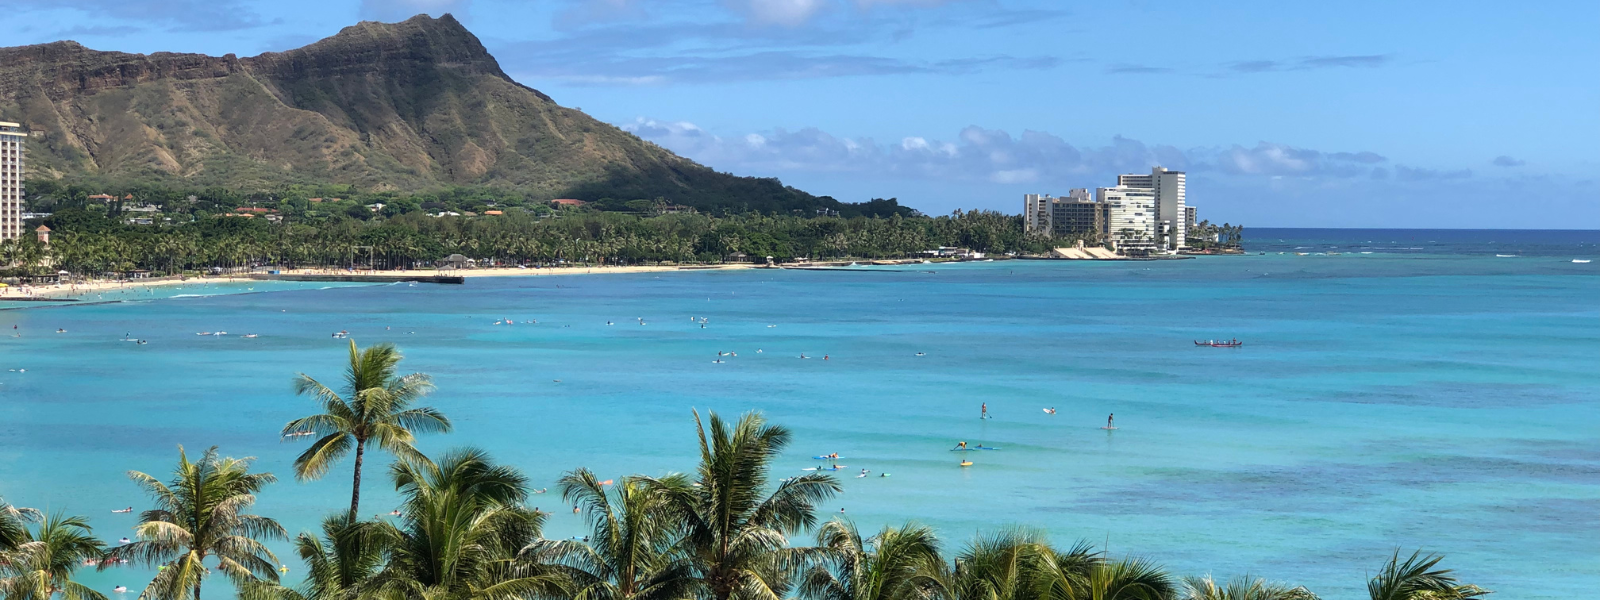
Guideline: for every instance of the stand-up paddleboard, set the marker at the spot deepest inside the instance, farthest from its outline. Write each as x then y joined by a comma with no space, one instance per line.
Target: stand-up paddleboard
1108,428
825,457
966,463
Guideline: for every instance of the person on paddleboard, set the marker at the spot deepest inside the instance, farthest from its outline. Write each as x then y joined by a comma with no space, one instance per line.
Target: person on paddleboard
1109,418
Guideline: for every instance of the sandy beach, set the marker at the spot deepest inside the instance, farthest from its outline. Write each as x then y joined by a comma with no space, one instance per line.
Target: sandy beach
84,288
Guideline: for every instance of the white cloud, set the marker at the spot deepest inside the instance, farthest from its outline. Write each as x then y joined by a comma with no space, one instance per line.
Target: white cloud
399,10
1016,176
987,155
788,13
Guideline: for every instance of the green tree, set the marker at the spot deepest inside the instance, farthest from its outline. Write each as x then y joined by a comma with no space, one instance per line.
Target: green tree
629,553
1417,579
897,564
14,524
375,409
340,565
200,515
42,565
1000,566
1240,588
1127,579
735,533
461,527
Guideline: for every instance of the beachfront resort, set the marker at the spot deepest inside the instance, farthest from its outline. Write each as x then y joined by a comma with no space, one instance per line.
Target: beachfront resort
1143,214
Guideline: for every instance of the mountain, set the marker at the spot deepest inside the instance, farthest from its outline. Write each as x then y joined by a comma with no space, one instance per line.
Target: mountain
410,105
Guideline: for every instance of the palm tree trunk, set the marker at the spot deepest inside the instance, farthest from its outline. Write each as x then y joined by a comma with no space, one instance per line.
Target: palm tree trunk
196,591
355,489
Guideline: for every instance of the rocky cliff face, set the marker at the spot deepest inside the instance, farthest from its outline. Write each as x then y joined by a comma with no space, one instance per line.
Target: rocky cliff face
400,105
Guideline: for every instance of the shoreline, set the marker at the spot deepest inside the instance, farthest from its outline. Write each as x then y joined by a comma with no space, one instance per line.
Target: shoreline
81,288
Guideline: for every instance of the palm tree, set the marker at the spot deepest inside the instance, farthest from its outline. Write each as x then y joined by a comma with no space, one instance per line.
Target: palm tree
897,564
1417,579
629,554
14,525
1001,566
1241,588
1127,579
735,537
376,408
340,564
43,564
200,515
462,525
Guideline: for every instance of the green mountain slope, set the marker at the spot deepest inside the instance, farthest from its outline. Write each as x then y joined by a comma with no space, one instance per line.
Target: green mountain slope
407,105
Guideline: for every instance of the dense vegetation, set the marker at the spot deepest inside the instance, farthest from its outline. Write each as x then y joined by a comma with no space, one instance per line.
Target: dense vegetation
191,231
464,531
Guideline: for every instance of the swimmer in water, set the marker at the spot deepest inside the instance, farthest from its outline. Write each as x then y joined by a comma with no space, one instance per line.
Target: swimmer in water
985,411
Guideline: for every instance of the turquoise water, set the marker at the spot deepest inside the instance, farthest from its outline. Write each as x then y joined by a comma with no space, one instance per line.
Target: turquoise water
1443,398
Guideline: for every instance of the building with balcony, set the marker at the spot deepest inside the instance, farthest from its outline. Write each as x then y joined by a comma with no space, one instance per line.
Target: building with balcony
13,153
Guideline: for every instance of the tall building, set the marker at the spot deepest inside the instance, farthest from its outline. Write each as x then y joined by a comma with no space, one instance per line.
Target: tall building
1141,215
1130,218
12,147
1036,213
1073,214
1077,214
1168,187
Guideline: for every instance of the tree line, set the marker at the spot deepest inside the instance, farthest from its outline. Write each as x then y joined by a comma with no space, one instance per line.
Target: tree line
90,242
464,530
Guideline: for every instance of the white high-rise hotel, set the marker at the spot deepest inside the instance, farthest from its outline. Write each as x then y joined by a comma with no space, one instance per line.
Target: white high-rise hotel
12,137
1143,213
1168,214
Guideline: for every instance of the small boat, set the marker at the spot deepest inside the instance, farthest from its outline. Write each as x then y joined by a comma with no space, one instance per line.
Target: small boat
1581,261
1506,255
1215,344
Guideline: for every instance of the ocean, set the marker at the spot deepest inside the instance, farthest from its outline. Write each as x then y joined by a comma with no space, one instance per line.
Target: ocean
1397,390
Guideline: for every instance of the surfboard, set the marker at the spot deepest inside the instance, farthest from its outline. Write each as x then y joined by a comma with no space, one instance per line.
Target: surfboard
1108,428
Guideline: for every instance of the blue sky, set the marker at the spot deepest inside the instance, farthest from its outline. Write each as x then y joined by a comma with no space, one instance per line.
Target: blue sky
1348,114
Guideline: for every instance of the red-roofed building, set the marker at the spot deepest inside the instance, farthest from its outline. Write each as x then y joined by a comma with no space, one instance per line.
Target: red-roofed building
493,212
568,202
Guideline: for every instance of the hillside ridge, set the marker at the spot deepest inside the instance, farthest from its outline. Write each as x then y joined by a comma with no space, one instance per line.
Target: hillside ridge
416,104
